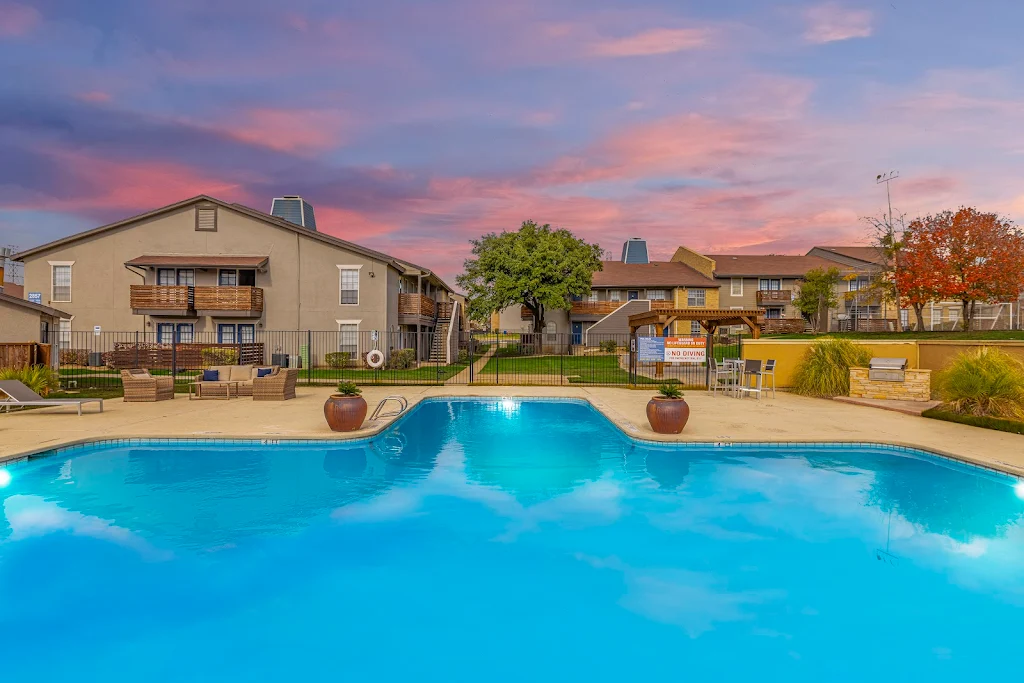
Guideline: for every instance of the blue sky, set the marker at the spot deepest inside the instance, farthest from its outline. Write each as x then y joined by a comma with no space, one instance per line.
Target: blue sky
412,127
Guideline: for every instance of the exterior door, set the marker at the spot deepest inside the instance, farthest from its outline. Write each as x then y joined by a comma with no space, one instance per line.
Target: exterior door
632,295
577,333
225,334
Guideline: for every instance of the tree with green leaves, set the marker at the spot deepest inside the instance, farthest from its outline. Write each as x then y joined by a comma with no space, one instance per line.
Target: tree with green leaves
817,295
536,266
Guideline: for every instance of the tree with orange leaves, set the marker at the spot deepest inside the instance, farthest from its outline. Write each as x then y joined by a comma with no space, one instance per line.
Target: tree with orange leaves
964,255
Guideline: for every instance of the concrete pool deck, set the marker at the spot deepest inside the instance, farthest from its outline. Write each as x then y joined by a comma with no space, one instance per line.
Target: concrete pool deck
786,418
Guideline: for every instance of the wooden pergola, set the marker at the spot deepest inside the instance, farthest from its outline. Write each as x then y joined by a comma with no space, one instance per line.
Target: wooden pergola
709,318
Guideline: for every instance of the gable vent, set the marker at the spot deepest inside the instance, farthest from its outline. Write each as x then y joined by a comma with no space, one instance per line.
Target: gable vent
206,218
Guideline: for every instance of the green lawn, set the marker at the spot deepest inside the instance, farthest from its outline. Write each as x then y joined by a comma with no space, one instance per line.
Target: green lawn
576,369
427,373
913,336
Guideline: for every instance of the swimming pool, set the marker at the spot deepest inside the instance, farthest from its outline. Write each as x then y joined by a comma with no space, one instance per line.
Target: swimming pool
507,540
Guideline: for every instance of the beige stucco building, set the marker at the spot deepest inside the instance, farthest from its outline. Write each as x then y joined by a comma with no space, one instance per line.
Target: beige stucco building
205,268
24,321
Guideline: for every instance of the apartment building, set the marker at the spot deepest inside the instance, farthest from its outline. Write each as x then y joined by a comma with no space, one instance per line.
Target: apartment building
204,265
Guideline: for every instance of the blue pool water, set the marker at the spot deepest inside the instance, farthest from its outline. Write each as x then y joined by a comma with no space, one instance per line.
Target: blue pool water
507,541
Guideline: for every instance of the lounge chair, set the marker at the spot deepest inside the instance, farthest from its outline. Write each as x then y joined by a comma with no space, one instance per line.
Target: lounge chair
140,386
20,396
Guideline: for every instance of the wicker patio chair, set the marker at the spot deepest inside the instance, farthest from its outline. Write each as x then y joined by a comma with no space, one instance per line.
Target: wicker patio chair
279,386
140,386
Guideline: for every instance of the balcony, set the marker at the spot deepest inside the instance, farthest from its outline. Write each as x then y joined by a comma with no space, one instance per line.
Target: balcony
774,297
606,307
416,305
229,302
161,300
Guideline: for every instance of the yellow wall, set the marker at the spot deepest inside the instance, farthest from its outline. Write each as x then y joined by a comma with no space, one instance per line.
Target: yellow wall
680,294
699,262
926,355
789,352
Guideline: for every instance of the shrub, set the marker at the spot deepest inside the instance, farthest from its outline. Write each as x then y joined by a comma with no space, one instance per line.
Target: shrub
220,356
402,359
670,391
825,368
348,389
996,423
337,359
74,356
609,346
463,356
986,382
38,378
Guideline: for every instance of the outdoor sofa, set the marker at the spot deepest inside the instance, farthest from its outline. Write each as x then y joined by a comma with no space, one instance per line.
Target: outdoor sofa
276,385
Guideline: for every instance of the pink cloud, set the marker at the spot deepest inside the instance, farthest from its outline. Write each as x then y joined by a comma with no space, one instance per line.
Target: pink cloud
17,20
94,96
289,130
831,22
659,41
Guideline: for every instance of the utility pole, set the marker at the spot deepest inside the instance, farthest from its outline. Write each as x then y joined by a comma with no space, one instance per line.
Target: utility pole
887,178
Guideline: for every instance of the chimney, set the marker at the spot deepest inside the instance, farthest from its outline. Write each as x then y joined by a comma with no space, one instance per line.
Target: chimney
634,250
294,209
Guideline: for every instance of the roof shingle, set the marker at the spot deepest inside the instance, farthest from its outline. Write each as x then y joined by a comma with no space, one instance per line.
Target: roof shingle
654,274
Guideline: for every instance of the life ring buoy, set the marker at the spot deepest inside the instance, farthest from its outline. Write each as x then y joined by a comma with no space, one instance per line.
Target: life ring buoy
375,358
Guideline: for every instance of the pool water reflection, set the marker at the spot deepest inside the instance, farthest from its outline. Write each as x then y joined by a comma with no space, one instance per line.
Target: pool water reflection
492,540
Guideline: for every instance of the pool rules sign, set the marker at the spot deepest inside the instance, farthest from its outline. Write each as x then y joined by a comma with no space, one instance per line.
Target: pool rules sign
672,349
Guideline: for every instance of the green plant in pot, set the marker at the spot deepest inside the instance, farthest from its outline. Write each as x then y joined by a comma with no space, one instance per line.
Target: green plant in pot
668,411
345,409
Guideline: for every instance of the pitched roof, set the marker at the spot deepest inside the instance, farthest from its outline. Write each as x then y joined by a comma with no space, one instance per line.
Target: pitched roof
654,274
7,298
766,265
199,261
866,254
15,290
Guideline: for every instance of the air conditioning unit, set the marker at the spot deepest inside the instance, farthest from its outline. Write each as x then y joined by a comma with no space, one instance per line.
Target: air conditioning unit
279,359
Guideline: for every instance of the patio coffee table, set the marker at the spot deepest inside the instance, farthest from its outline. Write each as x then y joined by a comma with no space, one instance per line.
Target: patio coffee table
199,390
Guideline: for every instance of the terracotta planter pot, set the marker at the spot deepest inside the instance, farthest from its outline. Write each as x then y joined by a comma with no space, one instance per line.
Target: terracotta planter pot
345,413
667,415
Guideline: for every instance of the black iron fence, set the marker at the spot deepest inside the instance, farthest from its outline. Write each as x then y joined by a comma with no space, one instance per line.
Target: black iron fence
94,360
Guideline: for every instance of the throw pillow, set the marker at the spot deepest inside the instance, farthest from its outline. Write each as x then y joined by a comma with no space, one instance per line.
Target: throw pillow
263,372
211,375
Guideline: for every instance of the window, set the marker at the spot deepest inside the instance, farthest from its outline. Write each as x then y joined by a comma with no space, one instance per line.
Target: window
954,315
936,317
695,328
633,294
614,295
736,286
246,334
206,218
857,284
769,285
61,291
65,333
592,296
165,276
186,277
657,294
348,277
165,333
247,277
225,334
773,313
348,337
186,333
905,318
228,278
695,298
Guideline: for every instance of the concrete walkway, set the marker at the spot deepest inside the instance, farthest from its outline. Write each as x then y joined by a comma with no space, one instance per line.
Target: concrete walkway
478,367
787,418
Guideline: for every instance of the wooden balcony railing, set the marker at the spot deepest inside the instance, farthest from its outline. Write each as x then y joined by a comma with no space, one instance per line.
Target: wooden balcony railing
161,298
415,304
774,296
229,299
444,310
606,307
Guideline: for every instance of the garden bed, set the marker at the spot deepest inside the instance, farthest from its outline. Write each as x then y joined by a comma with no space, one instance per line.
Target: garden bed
985,422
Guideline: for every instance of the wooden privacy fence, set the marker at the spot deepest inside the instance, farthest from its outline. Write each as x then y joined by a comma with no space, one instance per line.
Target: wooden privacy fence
23,354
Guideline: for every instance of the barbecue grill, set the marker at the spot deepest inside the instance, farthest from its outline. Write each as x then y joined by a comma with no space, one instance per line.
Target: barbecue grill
888,369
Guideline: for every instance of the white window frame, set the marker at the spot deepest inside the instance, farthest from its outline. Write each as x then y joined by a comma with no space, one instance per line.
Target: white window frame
662,294
341,269
343,349
936,316
592,297
733,281
615,295
64,335
53,281
690,297
695,328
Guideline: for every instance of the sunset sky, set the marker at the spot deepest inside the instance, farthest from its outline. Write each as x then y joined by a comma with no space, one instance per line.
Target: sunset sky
729,126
